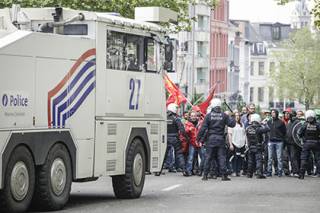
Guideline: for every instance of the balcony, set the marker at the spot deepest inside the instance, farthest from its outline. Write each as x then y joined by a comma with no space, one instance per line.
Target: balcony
201,61
202,36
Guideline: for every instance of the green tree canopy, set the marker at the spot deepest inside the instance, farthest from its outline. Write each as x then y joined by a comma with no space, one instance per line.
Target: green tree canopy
298,76
124,7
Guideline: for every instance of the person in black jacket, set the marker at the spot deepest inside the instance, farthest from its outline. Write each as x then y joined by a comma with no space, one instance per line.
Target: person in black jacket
254,134
277,136
174,126
215,123
310,132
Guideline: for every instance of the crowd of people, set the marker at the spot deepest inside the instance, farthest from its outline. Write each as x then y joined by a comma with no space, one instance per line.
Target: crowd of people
220,144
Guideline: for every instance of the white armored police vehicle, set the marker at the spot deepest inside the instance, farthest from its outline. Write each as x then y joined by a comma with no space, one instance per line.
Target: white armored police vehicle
81,96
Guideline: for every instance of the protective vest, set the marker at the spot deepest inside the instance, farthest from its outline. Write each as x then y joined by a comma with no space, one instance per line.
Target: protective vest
311,133
253,137
172,127
217,123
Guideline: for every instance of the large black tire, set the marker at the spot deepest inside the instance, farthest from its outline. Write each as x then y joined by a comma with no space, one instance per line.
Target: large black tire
53,180
130,186
19,182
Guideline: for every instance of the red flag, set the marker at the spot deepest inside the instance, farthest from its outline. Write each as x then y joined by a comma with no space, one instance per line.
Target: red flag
171,99
204,105
176,95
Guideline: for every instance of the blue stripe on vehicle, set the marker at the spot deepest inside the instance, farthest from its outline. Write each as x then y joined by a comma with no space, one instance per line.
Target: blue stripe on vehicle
78,104
69,101
58,99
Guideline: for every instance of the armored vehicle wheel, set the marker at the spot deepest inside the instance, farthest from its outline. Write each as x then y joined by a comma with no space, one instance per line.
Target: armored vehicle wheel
131,184
19,182
53,182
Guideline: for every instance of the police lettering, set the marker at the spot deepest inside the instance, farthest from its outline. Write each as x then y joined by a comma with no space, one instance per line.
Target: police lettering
216,117
311,127
18,100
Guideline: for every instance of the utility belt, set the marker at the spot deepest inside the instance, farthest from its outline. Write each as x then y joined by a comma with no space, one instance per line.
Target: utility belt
312,141
255,146
172,135
213,133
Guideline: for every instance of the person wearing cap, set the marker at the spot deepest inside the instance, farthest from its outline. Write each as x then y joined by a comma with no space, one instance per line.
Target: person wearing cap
174,126
310,133
285,155
289,118
215,123
254,134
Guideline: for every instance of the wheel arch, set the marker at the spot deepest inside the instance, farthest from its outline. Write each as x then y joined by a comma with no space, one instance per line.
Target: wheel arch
31,140
140,133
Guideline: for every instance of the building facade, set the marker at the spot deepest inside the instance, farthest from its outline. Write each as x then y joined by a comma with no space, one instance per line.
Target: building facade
233,59
193,52
219,46
263,62
300,16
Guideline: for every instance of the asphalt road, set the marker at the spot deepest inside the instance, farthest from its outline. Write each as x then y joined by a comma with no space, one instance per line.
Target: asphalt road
175,193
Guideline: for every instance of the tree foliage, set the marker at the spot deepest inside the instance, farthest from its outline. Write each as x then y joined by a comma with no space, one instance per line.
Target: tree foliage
124,7
298,76
315,10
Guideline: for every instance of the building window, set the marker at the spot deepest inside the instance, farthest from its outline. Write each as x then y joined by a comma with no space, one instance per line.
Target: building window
282,66
251,94
260,94
261,68
202,48
260,48
271,94
252,68
202,23
201,78
272,67
184,46
276,33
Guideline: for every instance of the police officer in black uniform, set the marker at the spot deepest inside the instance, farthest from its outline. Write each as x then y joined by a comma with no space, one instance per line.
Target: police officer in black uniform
215,123
175,126
254,134
310,132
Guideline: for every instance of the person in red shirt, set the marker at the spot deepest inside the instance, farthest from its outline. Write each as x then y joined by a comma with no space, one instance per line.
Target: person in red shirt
191,127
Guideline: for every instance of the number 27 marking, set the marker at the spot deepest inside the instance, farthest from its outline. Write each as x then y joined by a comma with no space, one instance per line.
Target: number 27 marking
132,85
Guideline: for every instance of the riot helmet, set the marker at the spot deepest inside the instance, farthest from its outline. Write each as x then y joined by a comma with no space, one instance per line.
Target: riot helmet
310,116
172,108
255,118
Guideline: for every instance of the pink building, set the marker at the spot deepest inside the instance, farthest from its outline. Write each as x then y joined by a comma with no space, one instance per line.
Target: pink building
219,46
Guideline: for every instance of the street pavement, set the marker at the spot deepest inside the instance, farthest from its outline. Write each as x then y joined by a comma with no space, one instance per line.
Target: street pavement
174,193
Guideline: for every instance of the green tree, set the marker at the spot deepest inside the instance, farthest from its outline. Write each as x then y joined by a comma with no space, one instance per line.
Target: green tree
298,76
315,10
124,7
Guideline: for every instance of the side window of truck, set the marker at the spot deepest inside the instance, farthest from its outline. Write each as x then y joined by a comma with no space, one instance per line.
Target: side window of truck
151,55
125,51
115,50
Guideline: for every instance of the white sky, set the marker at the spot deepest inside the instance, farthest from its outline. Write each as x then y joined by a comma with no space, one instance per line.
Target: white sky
261,10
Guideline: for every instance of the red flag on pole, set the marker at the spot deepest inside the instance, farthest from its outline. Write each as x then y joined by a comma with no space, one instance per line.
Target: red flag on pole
171,99
176,95
204,105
